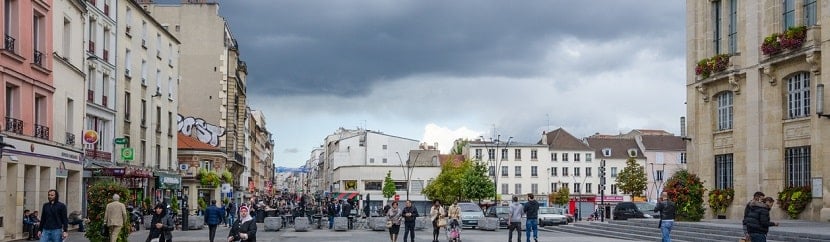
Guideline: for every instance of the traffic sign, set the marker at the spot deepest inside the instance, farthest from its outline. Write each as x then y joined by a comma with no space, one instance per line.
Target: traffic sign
397,197
121,140
127,153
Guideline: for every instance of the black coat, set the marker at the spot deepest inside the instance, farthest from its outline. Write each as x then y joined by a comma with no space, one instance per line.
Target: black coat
248,227
757,221
167,227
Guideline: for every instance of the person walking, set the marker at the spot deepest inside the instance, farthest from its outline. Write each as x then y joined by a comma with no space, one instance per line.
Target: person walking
531,212
54,222
346,211
436,213
230,211
161,225
213,216
244,229
755,198
454,212
115,216
757,221
667,210
334,210
393,215
514,220
410,213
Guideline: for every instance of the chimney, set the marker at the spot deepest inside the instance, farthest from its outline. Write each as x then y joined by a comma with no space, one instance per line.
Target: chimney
544,137
682,126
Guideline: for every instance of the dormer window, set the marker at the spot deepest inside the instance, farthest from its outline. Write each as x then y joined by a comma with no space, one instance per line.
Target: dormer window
632,152
606,152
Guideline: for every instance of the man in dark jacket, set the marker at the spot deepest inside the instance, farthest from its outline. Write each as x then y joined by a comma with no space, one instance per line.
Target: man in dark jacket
334,210
410,213
346,211
54,222
757,222
213,216
667,211
531,211
755,198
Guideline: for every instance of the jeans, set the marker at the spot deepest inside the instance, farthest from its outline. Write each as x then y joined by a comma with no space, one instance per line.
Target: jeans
665,227
331,221
755,237
515,226
51,235
212,231
230,220
532,225
409,229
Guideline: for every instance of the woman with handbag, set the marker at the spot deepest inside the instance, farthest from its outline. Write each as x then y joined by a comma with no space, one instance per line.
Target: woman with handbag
244,229
436,215
393,221
161,226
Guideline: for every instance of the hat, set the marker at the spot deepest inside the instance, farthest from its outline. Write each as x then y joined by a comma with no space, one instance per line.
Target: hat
244,207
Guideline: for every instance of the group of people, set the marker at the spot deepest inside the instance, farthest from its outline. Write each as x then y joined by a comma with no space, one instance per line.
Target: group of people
756,220
529,210
53,223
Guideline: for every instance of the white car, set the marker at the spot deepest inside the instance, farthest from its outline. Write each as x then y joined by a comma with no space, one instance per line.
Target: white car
550,216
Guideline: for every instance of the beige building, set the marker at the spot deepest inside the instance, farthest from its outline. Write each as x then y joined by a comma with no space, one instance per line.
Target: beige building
213,78
757,123
262,156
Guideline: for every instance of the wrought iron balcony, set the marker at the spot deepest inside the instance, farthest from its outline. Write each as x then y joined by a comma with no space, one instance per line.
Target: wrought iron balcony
70,138
41,132
9,43
98,155
14,125
38,58
91,48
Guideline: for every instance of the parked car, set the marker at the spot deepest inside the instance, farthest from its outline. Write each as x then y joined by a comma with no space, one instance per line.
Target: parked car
562,211
551,216
502,212
626,210
470,214
648,209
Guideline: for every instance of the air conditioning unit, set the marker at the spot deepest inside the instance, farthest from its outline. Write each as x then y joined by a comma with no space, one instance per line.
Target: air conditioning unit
183,167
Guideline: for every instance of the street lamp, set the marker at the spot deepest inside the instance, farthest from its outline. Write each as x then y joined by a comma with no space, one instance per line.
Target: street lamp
407,170
579,197
654,178
495,161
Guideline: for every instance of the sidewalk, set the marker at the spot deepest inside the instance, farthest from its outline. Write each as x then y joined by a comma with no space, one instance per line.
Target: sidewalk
786,226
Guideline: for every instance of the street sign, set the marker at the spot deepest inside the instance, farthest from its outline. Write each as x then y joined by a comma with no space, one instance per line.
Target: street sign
127,153
121,141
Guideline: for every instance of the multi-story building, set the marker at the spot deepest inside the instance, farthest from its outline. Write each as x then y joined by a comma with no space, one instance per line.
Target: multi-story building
147,86
573,165
210,60
262,154
615,152
757,121
314,167
100,79
665,154
516,168
39,160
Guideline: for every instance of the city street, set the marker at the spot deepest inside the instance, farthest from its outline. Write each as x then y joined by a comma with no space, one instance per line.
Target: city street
350,236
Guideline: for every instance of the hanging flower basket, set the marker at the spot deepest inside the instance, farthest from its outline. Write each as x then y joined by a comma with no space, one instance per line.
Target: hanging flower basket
720,199
792,39
794,200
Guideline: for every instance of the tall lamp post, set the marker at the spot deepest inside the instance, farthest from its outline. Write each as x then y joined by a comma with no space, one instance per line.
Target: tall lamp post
654,178
495,161
407,170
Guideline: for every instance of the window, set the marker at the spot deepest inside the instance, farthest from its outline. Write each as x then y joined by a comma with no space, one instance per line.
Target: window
613,172
38,28
158,156
565,157
659,175
129,20
798,95
553,171
12,104
143,112
789,14
127,106
733,26
588,187
492,170
67,38
566,185
170,123
534,171
576,156
534,154
206,164
504,189
810,12
564,171
723,171
169,158
683,158
576,171
659,157
400,185
371,160
716,37
518,171
144,34
587,171
128,63
797,160
385,160
143,153
158,119
534,188
158,82
373,185
588,157
144,73
577,187
614,189
40,109
553,156
606,152
503,154
10,24
478,154
93,30
70,120
554,187
491,154
504,171
725,110
384,147
517,154
170,88
518,188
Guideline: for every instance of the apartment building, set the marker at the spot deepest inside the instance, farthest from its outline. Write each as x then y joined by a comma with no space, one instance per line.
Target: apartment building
665,154
757,118
516,168
573,164
100,79
615,151
262,156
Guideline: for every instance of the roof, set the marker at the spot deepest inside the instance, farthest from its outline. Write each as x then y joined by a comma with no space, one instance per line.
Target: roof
455,159
619,147
663,142
651,132
189,143
560,139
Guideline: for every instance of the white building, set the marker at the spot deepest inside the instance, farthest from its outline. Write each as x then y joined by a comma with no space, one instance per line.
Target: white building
665,154
101,77
615,151
517,168
573,164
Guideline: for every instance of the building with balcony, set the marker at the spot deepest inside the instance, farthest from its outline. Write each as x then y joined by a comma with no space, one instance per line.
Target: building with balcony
757,118
262,156
100,79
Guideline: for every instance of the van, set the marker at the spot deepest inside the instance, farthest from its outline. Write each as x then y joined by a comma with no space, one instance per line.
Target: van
626,210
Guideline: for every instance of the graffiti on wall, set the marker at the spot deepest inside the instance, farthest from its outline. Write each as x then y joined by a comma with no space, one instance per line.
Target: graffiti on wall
203,131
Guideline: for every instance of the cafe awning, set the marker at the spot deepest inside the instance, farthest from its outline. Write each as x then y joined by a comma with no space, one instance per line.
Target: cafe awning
344,195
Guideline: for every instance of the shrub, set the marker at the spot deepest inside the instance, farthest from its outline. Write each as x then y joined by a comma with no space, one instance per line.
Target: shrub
720,199
686,190
99,195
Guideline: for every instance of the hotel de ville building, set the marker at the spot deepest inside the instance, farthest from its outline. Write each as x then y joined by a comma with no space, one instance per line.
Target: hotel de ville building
758,117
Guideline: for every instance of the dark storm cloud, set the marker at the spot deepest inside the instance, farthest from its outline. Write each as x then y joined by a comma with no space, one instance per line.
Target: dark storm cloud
343,48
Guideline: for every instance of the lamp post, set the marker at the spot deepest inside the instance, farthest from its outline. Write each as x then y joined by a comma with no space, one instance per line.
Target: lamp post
579,197
495,161
657,188
407,170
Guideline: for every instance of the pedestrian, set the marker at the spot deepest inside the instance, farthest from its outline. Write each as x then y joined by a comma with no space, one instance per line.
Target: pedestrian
213,216
454,212
393,216
514,220
531,212
410,213
436,213
755,198
334,210
161,225
244,229
757,221
346,211
54,222
29,224
115,216
667,210
230,211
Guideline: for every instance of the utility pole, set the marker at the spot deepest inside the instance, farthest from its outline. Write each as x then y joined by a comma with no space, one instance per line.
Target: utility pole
602,190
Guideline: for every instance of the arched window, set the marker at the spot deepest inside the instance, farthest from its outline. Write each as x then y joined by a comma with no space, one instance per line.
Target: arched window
798,95
725,110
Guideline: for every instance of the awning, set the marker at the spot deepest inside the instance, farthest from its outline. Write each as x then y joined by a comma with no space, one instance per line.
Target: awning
344,195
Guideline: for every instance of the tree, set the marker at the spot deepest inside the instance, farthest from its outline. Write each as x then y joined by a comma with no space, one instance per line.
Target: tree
388,186
632,179
561,197
447,186
458,149
474,183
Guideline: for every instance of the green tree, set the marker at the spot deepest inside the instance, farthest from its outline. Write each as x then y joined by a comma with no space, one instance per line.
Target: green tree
632,179
447,186
475,184
98,196
174,204
686,191
458,149
562,197
388,186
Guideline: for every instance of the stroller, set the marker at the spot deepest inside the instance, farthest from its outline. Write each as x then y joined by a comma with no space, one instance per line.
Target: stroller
454,231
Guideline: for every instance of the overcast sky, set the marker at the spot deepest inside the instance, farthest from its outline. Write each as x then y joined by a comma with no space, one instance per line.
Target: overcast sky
439,70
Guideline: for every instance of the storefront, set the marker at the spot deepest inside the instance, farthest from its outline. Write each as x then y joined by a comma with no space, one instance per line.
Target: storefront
166,185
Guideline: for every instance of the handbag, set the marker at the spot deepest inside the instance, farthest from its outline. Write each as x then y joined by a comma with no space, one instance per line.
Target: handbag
389,223
442,222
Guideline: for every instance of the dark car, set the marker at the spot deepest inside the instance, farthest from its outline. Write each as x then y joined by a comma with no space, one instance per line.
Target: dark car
502,212
648,209
626,210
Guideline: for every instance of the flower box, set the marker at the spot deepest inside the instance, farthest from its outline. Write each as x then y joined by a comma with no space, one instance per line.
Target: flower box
792,39
715,64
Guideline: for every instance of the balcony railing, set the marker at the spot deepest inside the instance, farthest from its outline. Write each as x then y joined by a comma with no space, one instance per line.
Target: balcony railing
91,47
38,58
106,55
9,43
70,138
41,132
98,155
14,125
90,96
104,100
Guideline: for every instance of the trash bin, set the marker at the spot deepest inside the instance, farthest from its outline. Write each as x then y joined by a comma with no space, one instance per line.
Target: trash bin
260,216
271,213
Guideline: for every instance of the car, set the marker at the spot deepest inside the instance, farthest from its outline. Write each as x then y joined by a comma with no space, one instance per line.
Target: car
551,216
562,211
626,210
470,214
502,212
648,209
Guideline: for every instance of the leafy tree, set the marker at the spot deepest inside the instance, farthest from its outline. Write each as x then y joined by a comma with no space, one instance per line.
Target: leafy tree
632,179
561,197
474,183
388,186
174,204
447,186
458,149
